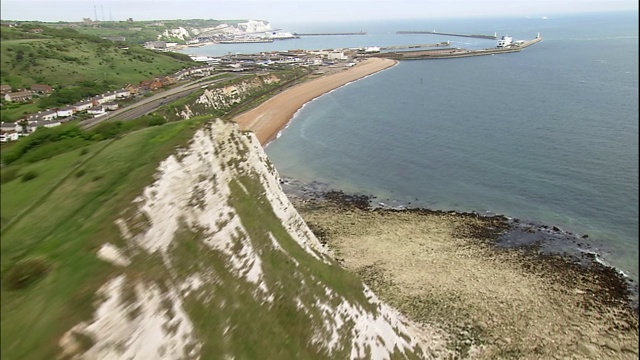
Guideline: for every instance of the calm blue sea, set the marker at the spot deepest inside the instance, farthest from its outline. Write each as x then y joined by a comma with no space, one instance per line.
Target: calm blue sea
547,135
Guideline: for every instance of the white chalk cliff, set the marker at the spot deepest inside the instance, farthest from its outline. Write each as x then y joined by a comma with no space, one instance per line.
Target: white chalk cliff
215,262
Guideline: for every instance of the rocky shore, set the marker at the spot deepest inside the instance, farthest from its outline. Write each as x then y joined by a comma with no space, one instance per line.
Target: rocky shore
499,288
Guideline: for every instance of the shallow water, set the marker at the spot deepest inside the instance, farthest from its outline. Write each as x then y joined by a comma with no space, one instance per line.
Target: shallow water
547,135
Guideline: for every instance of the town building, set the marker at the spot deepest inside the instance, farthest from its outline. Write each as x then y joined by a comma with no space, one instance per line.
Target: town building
7,136
122,93
40,88
18,96
83,105
65,111
110,106
96,111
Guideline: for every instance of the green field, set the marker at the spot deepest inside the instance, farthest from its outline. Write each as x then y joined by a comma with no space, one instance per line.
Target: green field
71,205
64,58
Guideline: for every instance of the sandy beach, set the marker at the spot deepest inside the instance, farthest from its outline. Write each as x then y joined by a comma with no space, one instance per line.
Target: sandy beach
267,119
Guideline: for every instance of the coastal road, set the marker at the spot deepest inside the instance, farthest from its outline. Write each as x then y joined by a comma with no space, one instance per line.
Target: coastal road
148,105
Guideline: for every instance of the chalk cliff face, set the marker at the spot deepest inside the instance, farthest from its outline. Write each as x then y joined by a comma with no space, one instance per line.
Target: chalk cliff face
225,97
180,33
247,27
215,262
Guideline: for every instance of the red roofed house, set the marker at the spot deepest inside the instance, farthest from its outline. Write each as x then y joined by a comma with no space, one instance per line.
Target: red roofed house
132,89
166,80
151,84
40,88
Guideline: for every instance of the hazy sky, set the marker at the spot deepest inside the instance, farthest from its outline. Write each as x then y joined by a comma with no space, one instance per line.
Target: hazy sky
295,11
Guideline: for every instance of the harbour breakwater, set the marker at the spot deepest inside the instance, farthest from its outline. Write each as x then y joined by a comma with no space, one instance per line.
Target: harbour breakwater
476,36
331,34
454,52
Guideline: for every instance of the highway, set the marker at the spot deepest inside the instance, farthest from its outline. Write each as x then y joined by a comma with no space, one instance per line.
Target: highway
150,104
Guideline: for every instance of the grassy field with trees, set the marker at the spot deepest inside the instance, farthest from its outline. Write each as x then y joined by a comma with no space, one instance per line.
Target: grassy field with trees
76,65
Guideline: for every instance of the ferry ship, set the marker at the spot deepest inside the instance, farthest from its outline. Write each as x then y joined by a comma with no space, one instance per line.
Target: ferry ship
505,41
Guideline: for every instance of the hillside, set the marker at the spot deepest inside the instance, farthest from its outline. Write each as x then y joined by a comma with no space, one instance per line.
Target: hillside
138,32
65,57
200,256
179,31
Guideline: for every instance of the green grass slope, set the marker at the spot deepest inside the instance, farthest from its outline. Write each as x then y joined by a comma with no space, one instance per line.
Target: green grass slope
65,57
64,229
218,263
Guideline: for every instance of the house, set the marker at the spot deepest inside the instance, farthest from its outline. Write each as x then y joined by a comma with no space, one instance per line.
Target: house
154,84
33,118
104,98
166,80
48,115
122,93
336,55
18,96
132,89
10,126
97,100
49,123
82,106
65,111
144,84
96,111
200,74
32,126
4,89
109,96
110,106
7,136
40,88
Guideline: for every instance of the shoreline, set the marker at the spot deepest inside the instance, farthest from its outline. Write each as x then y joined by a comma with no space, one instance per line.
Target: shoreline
450,270
545,239
269,118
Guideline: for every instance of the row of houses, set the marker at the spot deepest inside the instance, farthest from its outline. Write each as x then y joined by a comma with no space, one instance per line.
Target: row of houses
10,131
23,95
96,106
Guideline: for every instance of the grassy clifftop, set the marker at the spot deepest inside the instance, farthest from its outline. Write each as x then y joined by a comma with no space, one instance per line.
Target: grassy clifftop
176,241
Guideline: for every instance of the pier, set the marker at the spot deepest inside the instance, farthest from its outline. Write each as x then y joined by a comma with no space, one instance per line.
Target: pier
323,34
418,46
477,36
448,53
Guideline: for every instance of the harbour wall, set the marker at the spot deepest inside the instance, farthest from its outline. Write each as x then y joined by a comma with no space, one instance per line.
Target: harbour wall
477,36
454,52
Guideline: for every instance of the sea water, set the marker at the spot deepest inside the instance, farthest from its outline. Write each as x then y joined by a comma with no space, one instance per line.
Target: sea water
549,134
